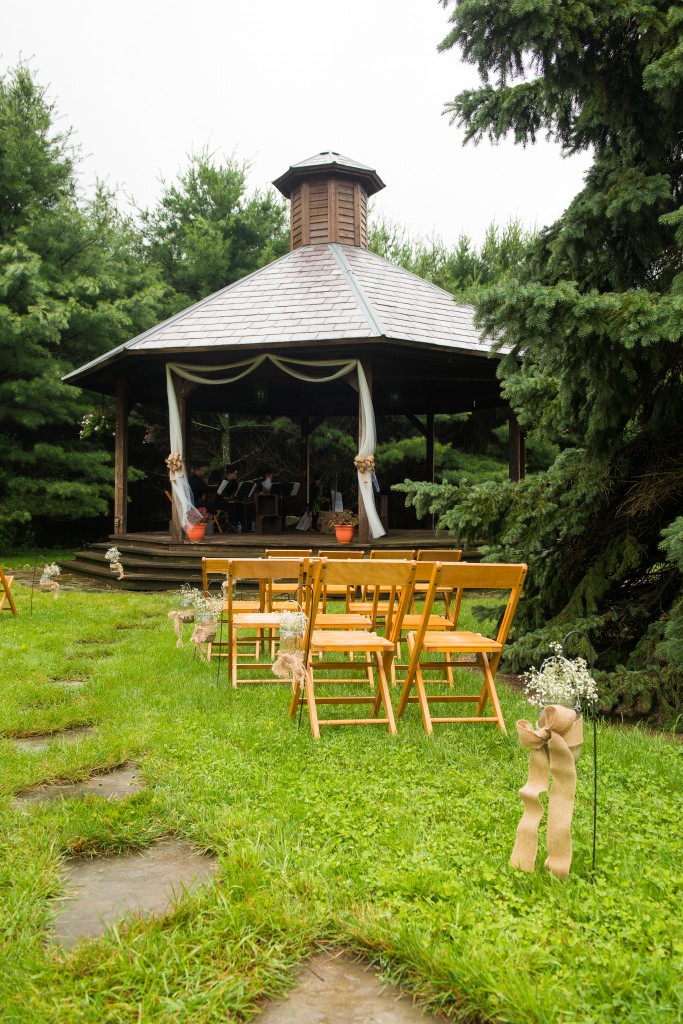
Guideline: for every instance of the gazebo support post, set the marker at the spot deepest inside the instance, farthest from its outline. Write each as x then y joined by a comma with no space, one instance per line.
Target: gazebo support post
121,459
516,449
176,525
305,460
429,458
427,431
363,524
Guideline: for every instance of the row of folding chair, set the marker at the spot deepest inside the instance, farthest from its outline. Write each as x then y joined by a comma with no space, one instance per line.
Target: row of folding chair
436,645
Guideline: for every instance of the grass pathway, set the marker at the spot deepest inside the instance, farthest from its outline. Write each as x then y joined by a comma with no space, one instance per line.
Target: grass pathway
396,848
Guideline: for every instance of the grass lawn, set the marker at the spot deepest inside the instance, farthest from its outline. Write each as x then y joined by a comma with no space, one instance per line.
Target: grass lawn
393,847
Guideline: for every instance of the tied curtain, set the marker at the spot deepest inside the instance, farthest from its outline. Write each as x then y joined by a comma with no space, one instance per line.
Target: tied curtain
342,368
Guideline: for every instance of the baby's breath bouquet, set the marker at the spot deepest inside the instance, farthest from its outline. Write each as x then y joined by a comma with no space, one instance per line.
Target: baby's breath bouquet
50,570
562,681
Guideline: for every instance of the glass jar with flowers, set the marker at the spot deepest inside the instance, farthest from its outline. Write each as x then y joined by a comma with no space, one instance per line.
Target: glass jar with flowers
344,524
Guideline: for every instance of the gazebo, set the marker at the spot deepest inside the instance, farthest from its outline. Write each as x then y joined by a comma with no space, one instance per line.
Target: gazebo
312,335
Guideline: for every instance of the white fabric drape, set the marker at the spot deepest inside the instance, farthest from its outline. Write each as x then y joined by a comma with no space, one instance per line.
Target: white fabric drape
197,374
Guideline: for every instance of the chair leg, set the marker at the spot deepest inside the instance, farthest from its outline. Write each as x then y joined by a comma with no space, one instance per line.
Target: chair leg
233,656
382,694
414,675
489,689
312,709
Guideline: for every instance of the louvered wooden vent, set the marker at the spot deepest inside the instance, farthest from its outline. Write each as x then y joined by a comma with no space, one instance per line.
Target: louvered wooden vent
329,209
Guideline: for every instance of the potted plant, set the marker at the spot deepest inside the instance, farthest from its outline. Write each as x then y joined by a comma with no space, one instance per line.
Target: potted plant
195,526
344,524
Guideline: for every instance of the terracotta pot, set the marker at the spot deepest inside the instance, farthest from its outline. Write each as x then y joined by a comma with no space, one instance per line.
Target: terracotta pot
344,534
196,533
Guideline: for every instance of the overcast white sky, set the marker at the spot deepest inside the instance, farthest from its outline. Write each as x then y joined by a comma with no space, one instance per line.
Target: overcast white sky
274,81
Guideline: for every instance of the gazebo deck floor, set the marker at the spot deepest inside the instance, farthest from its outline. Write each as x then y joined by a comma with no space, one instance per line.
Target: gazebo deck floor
154,561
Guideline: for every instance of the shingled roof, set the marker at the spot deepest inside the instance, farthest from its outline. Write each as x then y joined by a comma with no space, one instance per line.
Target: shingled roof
318,293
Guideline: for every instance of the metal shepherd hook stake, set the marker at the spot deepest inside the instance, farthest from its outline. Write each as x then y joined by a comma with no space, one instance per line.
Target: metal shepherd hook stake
594,716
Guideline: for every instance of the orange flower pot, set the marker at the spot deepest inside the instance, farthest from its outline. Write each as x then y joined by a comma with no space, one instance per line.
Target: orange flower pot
344,534
195,533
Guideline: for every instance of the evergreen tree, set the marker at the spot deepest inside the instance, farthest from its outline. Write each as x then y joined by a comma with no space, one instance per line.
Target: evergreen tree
206,232
594,323
71,287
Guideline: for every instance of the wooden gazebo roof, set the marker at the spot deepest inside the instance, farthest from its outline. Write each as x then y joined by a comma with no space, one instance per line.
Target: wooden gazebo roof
330,298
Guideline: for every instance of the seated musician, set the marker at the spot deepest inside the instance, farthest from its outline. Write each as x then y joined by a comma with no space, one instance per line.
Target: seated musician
199,485
226,496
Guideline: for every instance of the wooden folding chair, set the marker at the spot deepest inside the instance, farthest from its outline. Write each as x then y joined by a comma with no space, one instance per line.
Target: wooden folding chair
335,554
215,570
382,576
263,572
6,600
436,555
486,651
366,604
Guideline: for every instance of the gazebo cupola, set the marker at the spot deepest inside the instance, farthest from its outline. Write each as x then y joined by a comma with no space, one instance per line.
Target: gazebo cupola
329,200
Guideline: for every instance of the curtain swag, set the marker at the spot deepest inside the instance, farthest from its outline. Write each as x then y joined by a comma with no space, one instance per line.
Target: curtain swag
343,367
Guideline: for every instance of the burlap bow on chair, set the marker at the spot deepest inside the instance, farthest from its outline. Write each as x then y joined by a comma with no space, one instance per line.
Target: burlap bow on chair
554,748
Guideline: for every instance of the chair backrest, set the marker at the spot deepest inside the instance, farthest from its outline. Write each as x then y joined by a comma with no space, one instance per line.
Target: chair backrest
392,555
395,577
337,553
462,576
265,571
213,567
287,552
439,555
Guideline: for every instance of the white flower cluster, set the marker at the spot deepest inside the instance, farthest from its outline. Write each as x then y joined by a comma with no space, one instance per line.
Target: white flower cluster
207,609
561,680
50,570
293,625
113,555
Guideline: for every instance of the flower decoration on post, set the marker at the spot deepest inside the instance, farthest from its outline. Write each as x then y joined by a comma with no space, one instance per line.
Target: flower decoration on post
47,578
290,659
113,556
174,464
186,597
561,689
207,611
364,464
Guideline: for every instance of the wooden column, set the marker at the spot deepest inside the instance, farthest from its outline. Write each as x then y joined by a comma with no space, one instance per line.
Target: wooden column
516,449
177,526
305,460
429,459
363,524
121,459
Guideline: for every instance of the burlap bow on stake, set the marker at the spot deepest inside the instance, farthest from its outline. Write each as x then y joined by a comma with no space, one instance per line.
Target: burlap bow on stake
174,464
204,633
117,568
364,464
554,748
179,617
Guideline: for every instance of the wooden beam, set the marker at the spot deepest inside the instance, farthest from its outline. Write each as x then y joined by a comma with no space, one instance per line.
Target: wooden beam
516,449
121,458
304,460
429,460
363,524
176,525
422,427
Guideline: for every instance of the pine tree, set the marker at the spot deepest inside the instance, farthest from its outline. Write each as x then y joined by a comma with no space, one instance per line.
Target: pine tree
594,324
71,287
205,231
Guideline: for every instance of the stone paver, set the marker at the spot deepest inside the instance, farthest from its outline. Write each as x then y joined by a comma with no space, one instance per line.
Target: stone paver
339,990
116,785
68,682
41,742
102,891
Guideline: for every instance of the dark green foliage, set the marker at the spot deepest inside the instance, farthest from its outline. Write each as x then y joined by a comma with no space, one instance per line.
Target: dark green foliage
71,287
597,315
205,232
463,266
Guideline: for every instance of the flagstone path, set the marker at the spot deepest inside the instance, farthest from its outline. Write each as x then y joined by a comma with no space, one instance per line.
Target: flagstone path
102,891
42,741
116,785
339,990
